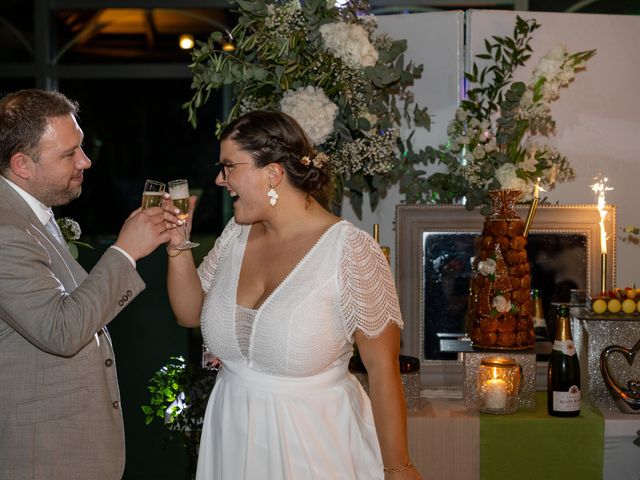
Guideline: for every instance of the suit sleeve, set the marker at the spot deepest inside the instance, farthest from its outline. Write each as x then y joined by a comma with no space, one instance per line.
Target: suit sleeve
35,303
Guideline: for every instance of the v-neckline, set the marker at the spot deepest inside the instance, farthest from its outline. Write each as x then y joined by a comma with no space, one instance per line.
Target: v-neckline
286,278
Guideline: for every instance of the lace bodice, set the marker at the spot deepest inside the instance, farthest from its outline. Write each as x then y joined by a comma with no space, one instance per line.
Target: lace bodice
306,325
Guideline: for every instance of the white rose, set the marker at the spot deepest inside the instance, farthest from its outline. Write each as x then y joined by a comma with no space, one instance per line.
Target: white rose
313,110
487,267
491,145
508,178
501,304
461,115
479,152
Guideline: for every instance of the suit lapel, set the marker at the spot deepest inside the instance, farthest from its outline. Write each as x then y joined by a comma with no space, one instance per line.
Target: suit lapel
64,266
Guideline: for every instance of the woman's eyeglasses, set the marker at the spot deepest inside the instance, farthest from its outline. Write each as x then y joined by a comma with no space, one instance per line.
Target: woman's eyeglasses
226,168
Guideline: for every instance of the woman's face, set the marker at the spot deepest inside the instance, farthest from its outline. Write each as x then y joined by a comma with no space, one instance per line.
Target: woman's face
247,184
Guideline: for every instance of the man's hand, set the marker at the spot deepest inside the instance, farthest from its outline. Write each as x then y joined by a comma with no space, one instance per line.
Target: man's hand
143,231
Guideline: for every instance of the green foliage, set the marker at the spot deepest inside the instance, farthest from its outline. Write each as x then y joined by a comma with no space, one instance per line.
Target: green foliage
279,49
495,137
179,392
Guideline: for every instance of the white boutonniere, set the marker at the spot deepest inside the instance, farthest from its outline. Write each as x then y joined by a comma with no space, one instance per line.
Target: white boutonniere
71,232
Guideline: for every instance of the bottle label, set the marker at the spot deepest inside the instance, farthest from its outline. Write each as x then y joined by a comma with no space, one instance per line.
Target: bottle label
539,322
567,401
565,346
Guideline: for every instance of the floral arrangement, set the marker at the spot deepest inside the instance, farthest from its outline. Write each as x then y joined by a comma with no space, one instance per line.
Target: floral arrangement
71,233
495,137
325,66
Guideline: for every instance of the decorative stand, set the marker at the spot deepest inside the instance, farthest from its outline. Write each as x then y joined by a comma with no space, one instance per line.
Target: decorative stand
409,374
592,334
525,358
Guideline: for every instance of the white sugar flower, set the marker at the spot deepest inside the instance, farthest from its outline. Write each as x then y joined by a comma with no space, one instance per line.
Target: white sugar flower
350,42
312,109
487,267
501,304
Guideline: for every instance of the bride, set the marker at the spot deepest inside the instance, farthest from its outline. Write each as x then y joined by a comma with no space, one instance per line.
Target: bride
281,298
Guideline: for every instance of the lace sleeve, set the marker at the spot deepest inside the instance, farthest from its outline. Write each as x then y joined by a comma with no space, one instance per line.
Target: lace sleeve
368,296
207,269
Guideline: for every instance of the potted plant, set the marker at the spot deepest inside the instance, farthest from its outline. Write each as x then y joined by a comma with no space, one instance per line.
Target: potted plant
179,392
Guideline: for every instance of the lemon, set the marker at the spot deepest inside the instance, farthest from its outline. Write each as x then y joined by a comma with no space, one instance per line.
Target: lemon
629,306
600,306
614,305
638,307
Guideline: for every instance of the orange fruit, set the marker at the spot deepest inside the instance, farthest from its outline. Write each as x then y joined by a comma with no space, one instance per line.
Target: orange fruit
630,292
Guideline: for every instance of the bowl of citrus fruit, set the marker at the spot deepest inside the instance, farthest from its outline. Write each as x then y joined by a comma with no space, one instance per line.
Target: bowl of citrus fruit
619,301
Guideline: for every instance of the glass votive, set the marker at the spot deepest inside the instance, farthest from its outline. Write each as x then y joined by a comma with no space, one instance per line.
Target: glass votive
498,385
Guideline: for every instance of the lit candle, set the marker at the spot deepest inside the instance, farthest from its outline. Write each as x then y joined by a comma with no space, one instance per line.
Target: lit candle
495,394
533,207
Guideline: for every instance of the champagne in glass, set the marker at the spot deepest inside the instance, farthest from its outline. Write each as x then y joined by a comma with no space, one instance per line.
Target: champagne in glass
179,191
152,194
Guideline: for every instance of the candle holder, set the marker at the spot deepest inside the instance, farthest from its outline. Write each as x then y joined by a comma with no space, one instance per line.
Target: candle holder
498,385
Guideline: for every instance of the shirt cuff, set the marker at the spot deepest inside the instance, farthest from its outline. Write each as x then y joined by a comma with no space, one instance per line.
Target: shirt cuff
133,262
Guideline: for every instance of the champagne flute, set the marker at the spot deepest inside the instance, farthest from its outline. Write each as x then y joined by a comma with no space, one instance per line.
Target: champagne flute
179,191
152,194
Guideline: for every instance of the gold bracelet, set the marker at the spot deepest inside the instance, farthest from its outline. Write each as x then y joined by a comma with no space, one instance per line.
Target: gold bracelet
401,468
175,254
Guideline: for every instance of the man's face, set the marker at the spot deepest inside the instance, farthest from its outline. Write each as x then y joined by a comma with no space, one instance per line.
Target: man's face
56,178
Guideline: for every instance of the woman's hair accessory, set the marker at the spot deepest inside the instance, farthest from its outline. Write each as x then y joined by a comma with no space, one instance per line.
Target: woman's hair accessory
318,160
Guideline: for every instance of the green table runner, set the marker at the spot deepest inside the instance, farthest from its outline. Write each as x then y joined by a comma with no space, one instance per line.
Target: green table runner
530,444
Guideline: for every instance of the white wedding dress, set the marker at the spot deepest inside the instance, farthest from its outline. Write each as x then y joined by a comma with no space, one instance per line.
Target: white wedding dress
284,406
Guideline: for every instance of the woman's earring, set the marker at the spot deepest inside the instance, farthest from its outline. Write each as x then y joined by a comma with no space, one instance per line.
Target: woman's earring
273,195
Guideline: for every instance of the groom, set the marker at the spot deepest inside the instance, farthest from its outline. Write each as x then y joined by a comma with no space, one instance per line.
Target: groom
60,412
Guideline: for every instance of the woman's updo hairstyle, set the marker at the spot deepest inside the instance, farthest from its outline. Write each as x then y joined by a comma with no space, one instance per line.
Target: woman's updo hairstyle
275,137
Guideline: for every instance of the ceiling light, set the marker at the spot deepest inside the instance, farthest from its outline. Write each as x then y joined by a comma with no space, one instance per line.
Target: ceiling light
186,41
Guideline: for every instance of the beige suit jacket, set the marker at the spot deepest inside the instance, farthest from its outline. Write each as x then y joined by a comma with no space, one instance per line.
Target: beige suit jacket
60,415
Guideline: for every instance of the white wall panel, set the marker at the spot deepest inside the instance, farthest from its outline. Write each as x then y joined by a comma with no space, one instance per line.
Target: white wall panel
435,40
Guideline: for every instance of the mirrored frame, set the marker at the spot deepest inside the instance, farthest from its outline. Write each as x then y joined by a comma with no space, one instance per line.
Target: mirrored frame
414,221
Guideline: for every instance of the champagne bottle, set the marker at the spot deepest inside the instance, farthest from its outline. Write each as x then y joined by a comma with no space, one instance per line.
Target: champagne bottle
376,237
563,384
539,322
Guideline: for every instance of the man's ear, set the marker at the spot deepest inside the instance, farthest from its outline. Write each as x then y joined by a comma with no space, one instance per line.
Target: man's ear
20,165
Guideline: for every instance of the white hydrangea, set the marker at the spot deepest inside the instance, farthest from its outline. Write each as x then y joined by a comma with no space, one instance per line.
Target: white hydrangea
349,42
312,109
